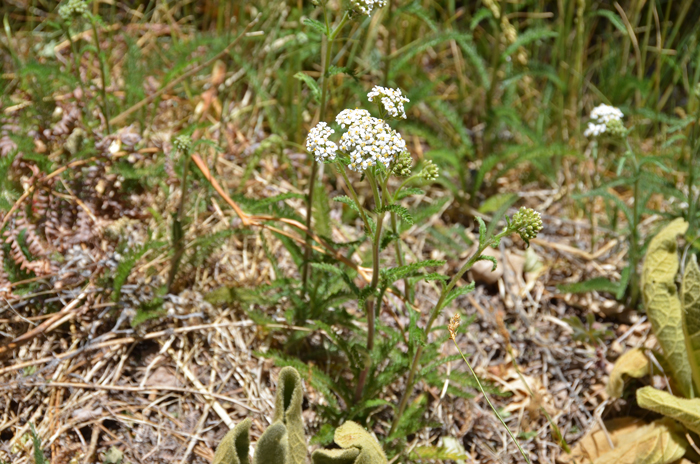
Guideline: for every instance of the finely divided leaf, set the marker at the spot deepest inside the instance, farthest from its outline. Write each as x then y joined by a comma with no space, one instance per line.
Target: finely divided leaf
346,200
313,85
458,291
316,25
634,363
690,296
662,302
399,211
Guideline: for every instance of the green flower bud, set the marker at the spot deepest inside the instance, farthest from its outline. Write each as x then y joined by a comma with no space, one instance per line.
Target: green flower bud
183,143
526,223
402,165
72,9
430,171
615,128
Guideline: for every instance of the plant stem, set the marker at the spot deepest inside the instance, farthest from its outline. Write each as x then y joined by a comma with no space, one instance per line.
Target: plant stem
397,241
634,232
354,196
493,408
322,116
103,74
76,66
370,301
692,202
178,233
387,50
433,315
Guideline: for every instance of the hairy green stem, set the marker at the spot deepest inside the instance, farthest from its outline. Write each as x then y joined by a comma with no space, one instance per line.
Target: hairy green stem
322,116
370,301
103,74
178,235
76,65
397,240
354,196
387,49
634,230
433,315
692,201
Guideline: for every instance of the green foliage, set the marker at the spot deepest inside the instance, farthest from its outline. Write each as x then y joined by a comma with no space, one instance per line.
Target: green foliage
129,259
593,333
662,303
38,452
674,321
284,442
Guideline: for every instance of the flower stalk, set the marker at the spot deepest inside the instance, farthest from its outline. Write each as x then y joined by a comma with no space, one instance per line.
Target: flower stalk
527,223
331,36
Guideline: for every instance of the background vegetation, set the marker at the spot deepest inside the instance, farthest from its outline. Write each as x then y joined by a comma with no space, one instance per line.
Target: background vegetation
122,258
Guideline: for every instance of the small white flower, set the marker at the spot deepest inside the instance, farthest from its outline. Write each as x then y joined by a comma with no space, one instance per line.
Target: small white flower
350,117
317,142
392,99
365,7
601,116
369,141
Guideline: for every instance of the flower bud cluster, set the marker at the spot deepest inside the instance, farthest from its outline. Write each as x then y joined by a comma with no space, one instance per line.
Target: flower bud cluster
527,223
183,143
72,8
603,118
392,100
365,7
402,166
369,141
318,143
430,171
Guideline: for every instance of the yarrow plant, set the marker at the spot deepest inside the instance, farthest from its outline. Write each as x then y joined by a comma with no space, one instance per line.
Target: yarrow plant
323,150
392,100
365,7
604,118
71,12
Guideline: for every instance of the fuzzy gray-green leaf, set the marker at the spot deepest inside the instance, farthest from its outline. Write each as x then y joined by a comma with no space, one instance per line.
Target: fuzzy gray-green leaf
662,302
233,449
690,296
273,446
335,456
352,434
685,411
290,395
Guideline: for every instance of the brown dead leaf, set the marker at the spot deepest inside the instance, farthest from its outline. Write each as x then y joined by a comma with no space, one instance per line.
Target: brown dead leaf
633,440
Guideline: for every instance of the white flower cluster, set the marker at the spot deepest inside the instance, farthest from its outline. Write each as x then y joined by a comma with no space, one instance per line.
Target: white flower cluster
365,7
601,116
392,99
317,142
350,117
369,141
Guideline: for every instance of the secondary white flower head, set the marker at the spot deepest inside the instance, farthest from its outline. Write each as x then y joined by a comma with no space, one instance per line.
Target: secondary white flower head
350,117
365,7
369,141
601,116
392,99
317,142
